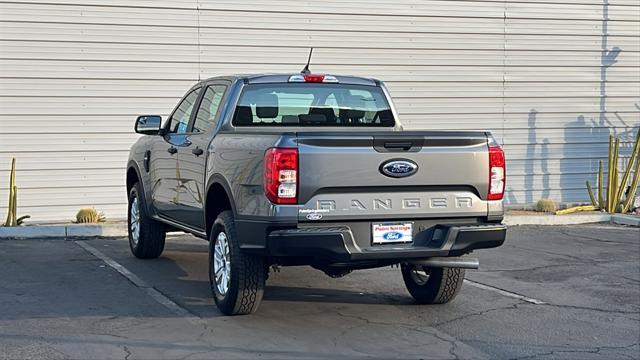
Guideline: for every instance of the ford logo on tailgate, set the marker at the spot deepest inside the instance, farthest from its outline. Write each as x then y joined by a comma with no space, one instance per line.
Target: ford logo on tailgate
399,168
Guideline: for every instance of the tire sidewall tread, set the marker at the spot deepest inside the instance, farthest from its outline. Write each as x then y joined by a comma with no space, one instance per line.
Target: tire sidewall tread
443,285
247,281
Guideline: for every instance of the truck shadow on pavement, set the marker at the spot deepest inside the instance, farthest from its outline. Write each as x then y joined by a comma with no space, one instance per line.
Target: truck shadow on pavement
299,294
181,274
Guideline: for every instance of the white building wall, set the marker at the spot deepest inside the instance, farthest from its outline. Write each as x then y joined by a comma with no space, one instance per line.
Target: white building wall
542,75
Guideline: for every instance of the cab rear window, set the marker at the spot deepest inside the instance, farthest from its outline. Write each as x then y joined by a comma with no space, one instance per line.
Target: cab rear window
306,104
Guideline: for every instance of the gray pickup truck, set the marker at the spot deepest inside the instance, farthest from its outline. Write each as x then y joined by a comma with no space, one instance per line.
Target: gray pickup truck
310,169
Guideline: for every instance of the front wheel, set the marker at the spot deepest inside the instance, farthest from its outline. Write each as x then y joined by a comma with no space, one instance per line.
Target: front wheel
146,236
237,279
432,285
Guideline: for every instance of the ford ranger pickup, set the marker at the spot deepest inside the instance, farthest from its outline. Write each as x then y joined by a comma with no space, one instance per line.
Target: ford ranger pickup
311,169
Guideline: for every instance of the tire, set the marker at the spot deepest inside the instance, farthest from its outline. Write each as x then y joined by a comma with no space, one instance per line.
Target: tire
245,283
440,286
149,242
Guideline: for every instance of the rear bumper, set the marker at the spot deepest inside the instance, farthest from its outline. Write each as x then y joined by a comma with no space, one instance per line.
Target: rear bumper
339,244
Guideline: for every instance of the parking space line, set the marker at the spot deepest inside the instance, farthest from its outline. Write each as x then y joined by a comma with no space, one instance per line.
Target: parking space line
504,292
135,280
180,311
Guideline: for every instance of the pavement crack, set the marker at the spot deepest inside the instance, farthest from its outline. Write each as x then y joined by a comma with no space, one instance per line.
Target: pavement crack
453,346
630,279
582,260
108,335
595,350
479,313
585,237
365,320
534,268
127,351
194,354
577,307
452,349
342,333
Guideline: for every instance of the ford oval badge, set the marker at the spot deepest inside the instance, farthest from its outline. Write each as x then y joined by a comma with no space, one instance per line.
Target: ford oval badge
314,216
399,168
392,236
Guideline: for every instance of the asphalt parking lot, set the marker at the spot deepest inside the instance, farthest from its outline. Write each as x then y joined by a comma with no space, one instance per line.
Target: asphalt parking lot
549,292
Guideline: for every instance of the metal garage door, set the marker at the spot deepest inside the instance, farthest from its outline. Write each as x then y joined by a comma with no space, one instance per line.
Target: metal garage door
550,78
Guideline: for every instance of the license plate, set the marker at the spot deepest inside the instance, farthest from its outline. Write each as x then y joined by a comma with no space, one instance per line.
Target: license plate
389,233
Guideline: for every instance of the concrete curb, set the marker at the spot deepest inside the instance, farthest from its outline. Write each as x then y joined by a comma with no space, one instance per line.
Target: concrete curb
67,231
626,220
568,219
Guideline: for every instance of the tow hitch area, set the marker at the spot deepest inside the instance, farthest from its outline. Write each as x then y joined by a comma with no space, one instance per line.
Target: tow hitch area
448,262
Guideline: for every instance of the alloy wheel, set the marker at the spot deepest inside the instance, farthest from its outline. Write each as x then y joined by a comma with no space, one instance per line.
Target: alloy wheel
134,221
222,263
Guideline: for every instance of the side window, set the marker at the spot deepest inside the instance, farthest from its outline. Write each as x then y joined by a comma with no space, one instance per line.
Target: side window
180,118
206,116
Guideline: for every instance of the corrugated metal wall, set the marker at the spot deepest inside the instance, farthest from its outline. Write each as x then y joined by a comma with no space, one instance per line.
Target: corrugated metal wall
550,78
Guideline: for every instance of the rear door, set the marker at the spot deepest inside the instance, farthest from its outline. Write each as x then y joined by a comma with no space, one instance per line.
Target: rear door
392,175
192,157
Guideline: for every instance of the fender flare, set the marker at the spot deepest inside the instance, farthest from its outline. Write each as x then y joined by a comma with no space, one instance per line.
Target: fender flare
132,164
217,179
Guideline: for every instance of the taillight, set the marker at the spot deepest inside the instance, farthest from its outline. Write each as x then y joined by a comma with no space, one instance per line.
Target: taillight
497,173
313,78
281,175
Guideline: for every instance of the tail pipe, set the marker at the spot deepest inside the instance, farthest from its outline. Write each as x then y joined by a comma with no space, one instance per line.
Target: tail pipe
448,262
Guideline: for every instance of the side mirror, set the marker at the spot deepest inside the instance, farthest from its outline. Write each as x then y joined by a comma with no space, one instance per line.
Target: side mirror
148,124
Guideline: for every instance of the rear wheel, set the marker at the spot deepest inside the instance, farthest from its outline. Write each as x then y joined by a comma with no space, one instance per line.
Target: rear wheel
237,279
432,285
146,236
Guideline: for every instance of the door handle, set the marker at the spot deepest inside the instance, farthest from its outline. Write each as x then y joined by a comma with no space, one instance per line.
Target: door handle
197,151
172,150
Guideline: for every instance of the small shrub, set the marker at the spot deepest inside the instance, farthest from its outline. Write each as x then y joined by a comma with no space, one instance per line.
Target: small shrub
546,205
89,215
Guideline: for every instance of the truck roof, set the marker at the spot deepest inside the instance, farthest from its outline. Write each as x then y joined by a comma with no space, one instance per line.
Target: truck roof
284,77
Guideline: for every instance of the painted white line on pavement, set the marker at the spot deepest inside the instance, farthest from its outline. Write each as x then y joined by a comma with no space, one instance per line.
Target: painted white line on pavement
504,292
151,291
178,310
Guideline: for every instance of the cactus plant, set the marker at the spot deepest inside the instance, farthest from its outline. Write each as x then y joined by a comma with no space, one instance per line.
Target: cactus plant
12,213
626,205
576,209
546,205
618,196
89,215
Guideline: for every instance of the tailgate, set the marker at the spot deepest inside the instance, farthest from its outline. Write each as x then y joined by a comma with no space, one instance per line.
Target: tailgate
392,175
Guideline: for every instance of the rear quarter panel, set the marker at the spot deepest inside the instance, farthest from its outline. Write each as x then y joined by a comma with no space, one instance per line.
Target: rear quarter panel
238,159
